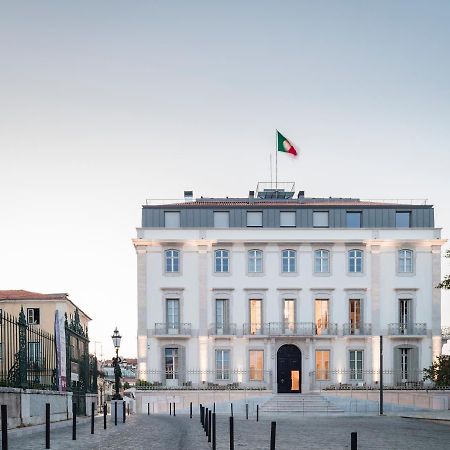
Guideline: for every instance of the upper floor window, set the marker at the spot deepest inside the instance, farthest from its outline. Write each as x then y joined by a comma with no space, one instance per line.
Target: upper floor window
254,218
172,260
287,219
172,219
221,219
320,219
288,261
321,261
405,261
255,260
403,219
353,219
355,261
33,316
221,261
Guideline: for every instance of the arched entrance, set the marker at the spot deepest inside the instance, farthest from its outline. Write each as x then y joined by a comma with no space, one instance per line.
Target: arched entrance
289,369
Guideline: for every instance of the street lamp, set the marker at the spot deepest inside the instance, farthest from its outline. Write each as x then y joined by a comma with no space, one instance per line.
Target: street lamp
116,337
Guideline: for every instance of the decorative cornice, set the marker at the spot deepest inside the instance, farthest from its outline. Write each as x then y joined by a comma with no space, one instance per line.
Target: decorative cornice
172,288
222,289
289,289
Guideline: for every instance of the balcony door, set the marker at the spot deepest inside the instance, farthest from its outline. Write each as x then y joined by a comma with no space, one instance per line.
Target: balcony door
289,369
288,316
355,315
255,316
173,315
222,317
321,306
404,315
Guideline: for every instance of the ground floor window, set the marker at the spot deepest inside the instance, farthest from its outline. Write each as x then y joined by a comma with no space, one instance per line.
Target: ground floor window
171,363
322,365
256,365
356,364
404,354
222,364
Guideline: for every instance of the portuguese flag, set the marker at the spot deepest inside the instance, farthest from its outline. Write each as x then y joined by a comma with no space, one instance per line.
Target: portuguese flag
283,145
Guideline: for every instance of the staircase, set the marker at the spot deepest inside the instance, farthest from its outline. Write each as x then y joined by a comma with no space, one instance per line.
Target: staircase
303,404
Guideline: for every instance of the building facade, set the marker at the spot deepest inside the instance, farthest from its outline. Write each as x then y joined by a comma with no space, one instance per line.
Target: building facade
290,294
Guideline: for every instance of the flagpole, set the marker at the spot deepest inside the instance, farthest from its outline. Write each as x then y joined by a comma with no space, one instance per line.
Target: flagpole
276,163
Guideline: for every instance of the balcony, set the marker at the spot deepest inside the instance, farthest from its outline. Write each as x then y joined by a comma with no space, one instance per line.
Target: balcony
255,329
357,329
331,329
407,329
222,329
168,330
291,329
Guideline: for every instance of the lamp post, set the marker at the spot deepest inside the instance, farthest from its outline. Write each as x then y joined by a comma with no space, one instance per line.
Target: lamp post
116,337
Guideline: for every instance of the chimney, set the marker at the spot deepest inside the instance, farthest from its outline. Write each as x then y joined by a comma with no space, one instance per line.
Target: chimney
251,195
301,194
188,196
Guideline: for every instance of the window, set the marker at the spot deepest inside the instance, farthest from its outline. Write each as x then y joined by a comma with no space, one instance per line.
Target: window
172,219
321,307
320,219
254,218
288,261
353,219
33,316
321,261
354,315
287,219
34,353
173,315
403,219
221,261
221,219
355,261
255,260
256,316
222,364
256,365
289,315
222,316
171,363
322,365
405,261
404,315
356,365
172,261
404,354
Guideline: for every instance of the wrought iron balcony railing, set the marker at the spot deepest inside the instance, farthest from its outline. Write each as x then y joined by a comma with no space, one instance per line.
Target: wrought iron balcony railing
355,329
407,329
291,328
255,329
222,329
170,329
331,329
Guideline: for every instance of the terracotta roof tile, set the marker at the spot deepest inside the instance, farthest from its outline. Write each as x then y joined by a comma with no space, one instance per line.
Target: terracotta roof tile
20,294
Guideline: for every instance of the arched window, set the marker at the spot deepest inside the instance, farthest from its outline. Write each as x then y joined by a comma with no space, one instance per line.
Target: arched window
405,261
288,261
355,261
221,261
321,261
255,260
172,260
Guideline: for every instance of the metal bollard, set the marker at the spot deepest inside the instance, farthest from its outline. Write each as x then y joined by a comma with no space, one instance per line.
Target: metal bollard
47,425
92,417
231,433
209,426
123,411
190,411
232,410
104,415
354,441
206,422
174,414
128,408
214,407
4,413
273,433
148,409
115,413
170,408
74,421
246,411
214,444
257,413
201,414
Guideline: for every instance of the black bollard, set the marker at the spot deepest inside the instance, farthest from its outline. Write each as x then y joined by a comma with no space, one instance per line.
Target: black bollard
148,409
200,407
232,410
74,421
354,441
190,411
214,407
257,413
4,413
246,411
231,434
92,417
206,422
174,414
123,411
47,425
209,426
273,433
170,408
104,415
115,412
214,444
128,408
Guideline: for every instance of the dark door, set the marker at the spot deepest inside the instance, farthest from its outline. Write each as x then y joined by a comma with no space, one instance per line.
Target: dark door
289,369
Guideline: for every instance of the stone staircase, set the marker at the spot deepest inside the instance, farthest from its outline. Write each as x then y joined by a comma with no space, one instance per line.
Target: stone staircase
307,404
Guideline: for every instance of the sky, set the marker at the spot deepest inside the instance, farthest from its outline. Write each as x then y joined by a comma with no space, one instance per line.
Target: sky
106,103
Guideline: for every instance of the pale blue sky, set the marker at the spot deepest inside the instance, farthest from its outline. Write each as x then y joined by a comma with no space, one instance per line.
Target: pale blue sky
106,103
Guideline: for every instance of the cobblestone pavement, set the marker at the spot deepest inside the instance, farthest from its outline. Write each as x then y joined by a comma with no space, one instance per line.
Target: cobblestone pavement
163,432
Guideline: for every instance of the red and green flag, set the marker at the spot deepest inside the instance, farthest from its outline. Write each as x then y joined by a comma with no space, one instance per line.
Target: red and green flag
283,145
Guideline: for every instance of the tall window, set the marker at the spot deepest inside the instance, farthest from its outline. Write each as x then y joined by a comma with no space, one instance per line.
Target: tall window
34,352
256,365
320,219
172,219
322,364
356,365
33,316
353,219
287,219
289,315
222,316
255,316
173,315
404,315
403,219
404,355
355,261
354,315
254,218
222,364
221,261
171,363
321,261
255,261
172,261
288,261
321,307
405,261
221,219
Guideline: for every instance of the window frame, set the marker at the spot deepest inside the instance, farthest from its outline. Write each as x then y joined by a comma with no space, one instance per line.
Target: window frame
359,213
224,256
327,376
34,321
173,213
293,213
221,212
175,255
222,370
402,213
254,213
255,369
401,266
320,252
289,258
253,259
316,213
352,259
353,373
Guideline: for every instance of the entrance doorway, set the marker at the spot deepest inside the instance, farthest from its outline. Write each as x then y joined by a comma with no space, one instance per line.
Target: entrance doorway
289,369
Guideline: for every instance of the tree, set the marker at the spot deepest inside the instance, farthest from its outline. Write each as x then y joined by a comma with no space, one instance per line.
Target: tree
445,283
439,371
126,385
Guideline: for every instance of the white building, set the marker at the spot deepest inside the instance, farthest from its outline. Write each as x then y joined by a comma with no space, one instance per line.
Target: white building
289,293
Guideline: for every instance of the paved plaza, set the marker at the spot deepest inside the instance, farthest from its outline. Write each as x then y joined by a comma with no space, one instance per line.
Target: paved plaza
163,432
